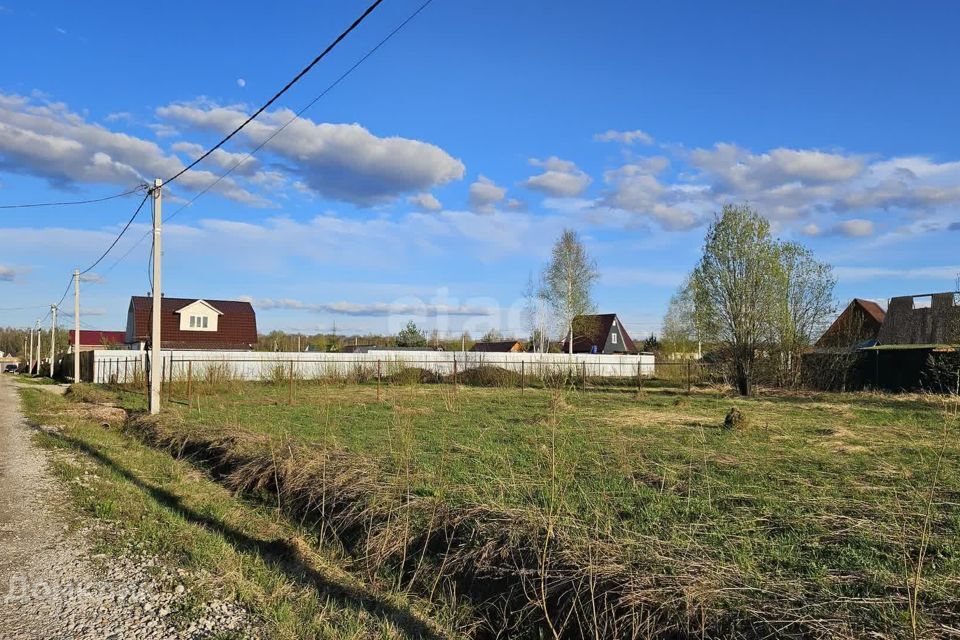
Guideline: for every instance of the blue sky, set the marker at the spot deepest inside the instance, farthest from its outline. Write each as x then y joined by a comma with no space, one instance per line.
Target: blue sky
433,180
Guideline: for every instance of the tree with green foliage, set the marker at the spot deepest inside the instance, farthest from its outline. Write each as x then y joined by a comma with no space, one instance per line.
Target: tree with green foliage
493,335
651,344
806,304
753,294
411,336
568,280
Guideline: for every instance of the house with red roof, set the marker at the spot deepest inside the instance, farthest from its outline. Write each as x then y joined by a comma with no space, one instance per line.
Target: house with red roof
91,339
193,323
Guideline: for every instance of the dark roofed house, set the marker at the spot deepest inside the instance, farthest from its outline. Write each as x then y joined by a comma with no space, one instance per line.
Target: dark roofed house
858,326
91,339
192,323
501,346
601,333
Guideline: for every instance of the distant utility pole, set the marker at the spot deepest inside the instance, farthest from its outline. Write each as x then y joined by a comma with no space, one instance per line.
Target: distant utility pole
155,338
30,358
38,348
76,326
53,337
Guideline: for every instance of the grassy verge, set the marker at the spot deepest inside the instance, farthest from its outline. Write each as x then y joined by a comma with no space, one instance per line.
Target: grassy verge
160,506
827,515
35,380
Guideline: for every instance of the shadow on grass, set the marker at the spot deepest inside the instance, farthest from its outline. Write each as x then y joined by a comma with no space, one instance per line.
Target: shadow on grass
278,554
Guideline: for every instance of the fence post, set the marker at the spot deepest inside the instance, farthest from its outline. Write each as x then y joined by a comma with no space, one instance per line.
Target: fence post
378,379
688,374
583,376
639,375
170,380
291,382
454,373
522,376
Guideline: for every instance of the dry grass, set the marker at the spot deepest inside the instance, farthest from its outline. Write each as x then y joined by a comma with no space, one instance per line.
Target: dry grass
609,515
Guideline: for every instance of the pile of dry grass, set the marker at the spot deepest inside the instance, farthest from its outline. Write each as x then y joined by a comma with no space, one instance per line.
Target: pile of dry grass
488,376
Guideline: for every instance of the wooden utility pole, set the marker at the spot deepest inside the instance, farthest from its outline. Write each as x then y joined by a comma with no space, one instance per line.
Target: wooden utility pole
156,372
30,358
76,326
53,337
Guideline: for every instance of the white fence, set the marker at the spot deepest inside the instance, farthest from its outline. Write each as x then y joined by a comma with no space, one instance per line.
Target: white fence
124,366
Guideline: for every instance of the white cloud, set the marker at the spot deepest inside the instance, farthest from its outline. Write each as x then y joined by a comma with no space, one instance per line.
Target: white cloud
425,201
560,178
340,161
624,137
241,83
244,164
47,140
119,116
416,308
636,191
855,228
484,194
7,274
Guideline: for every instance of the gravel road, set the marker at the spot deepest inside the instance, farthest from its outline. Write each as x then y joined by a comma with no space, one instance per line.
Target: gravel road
50,587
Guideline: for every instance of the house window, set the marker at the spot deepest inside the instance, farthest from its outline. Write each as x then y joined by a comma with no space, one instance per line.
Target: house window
614,336
199,322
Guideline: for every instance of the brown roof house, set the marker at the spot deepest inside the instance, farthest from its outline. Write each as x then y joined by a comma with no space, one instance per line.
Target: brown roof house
601,333
502,346
857,327
191,323
91,340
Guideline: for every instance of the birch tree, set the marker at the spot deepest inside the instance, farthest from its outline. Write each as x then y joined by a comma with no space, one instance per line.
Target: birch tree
537,313
568,280
806,304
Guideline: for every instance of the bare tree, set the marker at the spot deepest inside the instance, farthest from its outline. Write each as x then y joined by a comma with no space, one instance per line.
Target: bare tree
681,326
567,281
736,286
537,312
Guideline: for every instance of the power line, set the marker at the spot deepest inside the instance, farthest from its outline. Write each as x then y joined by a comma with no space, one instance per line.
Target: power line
36,306
343,76
276,96
299,113
120,235
71,202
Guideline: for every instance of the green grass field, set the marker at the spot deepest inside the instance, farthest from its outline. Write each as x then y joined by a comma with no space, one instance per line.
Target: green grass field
842,507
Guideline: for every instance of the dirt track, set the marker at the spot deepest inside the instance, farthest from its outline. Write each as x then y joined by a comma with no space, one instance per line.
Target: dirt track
49,588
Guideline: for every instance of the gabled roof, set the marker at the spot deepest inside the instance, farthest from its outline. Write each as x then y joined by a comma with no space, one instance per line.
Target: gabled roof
589,330
236,327
872,308
201,302
501,346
